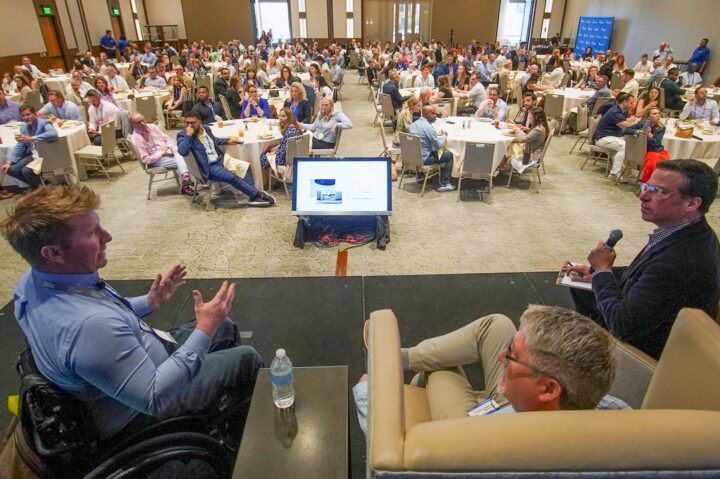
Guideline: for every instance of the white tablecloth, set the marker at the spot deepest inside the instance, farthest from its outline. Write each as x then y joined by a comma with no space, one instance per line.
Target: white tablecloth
123,68
573,97
77,138
277,101
406,78
252,146
679,148
57,82
129,105
479,132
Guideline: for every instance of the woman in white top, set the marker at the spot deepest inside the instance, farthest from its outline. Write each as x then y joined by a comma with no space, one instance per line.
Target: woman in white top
322,88
262,74
556,77
8,84
273,69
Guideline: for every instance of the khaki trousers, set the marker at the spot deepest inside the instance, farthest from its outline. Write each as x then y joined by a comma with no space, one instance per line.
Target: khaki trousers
449,393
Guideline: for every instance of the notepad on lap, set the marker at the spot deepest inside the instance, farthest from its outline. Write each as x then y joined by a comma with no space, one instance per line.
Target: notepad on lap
566,280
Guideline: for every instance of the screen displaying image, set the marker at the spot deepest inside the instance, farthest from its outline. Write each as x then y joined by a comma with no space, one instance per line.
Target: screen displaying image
349,186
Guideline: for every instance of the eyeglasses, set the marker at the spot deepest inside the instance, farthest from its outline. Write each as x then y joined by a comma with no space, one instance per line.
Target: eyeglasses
509,357
654,190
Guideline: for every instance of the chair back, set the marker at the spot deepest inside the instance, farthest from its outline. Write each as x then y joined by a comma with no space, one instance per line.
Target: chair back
581,76
565,80
387,106
661,99
635,150
145,105
504,84
383,135
410,150
57,159
194,169
444,107
518,93
593,123
551,133
226,107
204,80
34,99
107,139
617,82
554,105
136,152
316,104
478,162
328,78
521,66
297,147
600,102
582,118
132,83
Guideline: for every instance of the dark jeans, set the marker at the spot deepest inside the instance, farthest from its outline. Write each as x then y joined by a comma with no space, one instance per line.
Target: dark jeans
21,172
97,140
446,160
322,145
247,186
585,304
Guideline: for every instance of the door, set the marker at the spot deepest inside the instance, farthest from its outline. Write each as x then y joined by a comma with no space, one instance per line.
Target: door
52,41
117,28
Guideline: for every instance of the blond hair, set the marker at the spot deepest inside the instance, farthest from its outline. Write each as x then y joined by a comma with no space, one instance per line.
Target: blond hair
40,218
301,89
573,350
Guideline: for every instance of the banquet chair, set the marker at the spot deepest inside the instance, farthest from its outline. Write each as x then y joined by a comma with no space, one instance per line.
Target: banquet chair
297,147
205,186
597,153
565,80
412,160
505,89
388,111
617,82
152,172
57,159
332,152
635,151
554,108
388,148
362,74
536,167
478,165
34,99
581,126
226,107
132,83
444,108
175,117
147,107
96,157
599,103
518,93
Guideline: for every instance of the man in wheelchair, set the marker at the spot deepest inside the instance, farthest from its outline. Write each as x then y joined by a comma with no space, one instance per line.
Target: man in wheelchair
127,381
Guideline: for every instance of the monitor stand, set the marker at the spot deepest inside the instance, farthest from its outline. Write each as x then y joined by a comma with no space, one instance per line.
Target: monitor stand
315,228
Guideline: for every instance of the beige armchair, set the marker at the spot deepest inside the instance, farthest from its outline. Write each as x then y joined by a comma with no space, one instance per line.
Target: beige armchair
676,429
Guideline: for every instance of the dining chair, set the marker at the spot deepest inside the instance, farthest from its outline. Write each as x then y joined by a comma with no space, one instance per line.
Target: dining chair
412,160
478,165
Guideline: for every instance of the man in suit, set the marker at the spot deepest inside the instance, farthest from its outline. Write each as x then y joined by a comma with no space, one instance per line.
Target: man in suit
198,139
207,110
679,267
221,84
34,129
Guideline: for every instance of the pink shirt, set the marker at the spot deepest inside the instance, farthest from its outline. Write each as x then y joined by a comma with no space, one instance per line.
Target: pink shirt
153,145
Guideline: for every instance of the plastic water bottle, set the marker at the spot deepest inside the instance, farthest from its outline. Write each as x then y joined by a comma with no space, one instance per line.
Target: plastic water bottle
281,376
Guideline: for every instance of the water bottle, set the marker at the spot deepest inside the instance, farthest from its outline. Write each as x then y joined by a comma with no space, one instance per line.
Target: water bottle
281,376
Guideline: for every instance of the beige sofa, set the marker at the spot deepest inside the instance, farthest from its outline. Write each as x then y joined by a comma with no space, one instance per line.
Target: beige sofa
675,433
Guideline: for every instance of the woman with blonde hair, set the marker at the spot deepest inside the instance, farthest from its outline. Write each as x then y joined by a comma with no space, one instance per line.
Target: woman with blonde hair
326,125
298,103
406,117
275,158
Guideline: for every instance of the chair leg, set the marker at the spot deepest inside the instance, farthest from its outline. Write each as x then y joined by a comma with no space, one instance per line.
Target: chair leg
459,185
150,182
490,188
287,195
575,144
537,185
510,178
543,167
402,174
586,160
427,175
537,170
102,167
208,197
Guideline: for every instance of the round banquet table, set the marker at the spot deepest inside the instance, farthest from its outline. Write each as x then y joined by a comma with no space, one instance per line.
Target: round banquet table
129,105
123,68
478,132
277,101
573,97
59,82
303,76
252,146
678,148
74,131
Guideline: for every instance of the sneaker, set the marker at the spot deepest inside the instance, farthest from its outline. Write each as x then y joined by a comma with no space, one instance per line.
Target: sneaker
445,188
263,197
187,189
420,179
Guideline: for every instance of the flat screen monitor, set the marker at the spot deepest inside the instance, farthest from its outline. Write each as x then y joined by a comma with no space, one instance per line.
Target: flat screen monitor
338,187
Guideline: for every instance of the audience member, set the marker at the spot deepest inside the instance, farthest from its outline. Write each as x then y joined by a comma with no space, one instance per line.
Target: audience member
673,93
222,83
649,99
298,103
115,81
533,141
701,108
608,133
679,267
475,96
204,108
101,86
663,51
493,107
31,69
59,108
99,113
275,159
700,56
690,78
9,109
324,128
430,144
390,87
232,94
631,84
658,73
198,139
82,88
643,66
34,129
253,105
153,80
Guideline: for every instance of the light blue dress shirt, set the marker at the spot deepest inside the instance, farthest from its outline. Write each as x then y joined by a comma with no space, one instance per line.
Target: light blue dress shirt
430,141
485,112
68,111
92,343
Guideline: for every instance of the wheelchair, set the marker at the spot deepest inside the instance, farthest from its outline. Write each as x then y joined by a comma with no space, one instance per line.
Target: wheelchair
55,438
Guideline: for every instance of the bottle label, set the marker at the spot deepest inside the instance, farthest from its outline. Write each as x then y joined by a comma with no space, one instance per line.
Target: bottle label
282,380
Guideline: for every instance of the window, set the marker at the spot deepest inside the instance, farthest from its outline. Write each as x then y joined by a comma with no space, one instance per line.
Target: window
545,28
350,28
272,15
514,21
548,6
349,19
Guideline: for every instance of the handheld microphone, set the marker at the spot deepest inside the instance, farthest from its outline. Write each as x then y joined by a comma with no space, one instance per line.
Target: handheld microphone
613,238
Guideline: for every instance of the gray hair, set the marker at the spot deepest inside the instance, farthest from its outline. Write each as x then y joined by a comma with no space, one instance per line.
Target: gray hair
425,90
573,350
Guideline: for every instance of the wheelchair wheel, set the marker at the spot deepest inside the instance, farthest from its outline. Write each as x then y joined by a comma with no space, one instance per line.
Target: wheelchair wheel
179,455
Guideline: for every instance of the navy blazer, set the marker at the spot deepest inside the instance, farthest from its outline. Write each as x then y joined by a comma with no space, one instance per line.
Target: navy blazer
191,144
639,303
43,131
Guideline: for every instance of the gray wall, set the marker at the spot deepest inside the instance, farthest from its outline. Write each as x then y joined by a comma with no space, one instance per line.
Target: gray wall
640,25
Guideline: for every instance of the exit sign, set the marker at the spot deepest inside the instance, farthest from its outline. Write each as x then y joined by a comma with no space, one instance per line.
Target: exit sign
115,12
46,10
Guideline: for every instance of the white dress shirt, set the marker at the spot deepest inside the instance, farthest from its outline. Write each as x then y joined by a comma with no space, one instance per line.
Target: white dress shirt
708,111
421,82
640,68
118,83
690,79
101,114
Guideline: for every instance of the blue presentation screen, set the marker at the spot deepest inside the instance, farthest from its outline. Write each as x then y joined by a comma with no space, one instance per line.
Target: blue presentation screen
594,32
347,186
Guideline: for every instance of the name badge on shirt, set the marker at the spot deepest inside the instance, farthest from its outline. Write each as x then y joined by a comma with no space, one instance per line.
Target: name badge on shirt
486,407
165,335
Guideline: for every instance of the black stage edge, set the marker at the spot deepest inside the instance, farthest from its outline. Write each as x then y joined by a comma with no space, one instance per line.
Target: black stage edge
319,320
